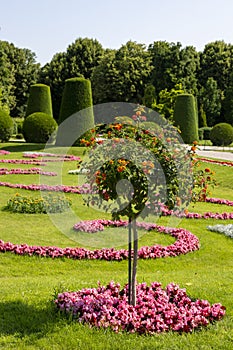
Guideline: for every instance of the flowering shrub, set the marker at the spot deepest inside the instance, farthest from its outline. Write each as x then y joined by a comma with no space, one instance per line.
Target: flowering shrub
32,171
30,205
202,179
154,165
157,310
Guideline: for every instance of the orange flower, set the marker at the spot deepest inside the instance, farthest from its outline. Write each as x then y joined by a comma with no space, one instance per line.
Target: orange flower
207,170
195,143
121,168
178,201
118,126
123,162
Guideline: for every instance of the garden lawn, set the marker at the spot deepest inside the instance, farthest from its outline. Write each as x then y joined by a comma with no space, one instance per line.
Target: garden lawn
28,285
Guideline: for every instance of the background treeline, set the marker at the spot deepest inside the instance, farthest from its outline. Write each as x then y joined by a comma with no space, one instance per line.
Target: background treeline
152,75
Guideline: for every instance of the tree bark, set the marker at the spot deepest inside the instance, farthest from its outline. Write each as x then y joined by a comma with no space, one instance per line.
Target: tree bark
129,261
135,262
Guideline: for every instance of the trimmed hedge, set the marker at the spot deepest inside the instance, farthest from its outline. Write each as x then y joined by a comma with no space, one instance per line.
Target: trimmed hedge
221,134
185,117
77,96
39,100
6,126
38,127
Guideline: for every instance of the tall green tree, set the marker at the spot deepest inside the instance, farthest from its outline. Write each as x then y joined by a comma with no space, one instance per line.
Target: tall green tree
216,62
187,69
18,70
7,78
227,105
79,60
122,74
210,98
165,60
166,101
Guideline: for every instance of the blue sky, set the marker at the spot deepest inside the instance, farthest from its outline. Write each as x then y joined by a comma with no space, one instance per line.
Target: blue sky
49,26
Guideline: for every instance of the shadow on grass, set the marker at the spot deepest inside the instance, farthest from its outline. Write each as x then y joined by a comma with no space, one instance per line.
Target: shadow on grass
22,147
17,317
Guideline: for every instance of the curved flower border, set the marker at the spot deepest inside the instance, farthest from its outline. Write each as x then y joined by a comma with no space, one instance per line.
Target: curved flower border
31,171
185,242
218,162
86,189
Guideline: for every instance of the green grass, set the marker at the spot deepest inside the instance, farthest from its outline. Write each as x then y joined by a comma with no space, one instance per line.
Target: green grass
28,284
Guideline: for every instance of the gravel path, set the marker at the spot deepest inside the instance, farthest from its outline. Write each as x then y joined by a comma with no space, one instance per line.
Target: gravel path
216,154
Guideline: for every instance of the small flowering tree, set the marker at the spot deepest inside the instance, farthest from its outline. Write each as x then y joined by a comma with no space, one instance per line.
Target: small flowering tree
134,171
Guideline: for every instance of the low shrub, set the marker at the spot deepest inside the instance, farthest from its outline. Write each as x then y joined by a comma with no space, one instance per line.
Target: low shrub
19,136
204,132
221,134
38,127
201,134
6,126
31,205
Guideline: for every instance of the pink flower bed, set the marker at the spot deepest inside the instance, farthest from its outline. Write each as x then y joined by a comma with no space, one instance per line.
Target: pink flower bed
2,151
32,171
185,242
65,157
157,310
23,161
85,188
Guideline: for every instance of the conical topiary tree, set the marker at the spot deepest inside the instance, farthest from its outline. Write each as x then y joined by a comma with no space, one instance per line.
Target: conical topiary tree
185,117
39,100
77,96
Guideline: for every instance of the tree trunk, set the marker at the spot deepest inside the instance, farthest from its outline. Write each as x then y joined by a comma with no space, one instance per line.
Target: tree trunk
129,261
135,262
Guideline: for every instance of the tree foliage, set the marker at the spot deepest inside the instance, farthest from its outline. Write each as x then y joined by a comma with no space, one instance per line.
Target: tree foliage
185,117
18,70
210,97
79,60
122,74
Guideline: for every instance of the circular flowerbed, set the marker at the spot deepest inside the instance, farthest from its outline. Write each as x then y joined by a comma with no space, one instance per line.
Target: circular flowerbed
157,309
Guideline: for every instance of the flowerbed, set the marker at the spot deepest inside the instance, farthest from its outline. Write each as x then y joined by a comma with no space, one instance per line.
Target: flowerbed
48,204
65,157
227,230
218,162
83,189
157,310
31,171
186,242
23,161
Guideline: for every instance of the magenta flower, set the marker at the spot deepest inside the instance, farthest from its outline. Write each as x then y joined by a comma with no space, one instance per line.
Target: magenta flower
157,310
